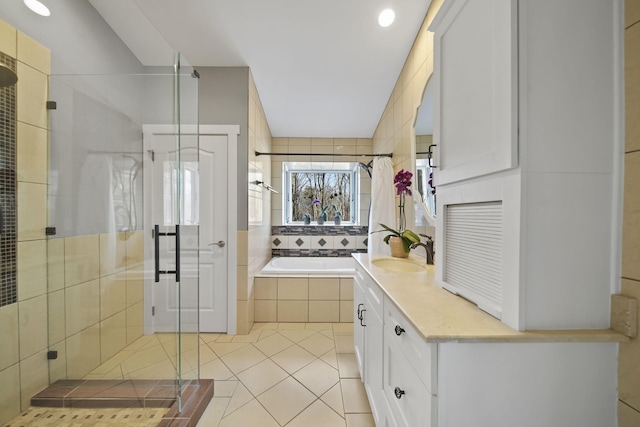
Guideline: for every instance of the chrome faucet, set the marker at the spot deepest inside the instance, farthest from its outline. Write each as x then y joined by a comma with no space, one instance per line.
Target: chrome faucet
428,246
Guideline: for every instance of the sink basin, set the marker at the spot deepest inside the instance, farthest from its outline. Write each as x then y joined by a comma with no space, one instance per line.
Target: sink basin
397,265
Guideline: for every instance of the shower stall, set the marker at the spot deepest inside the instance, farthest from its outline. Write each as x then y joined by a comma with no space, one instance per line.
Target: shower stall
95,230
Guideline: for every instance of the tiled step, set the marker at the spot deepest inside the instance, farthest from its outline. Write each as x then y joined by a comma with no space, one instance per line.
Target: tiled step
131,394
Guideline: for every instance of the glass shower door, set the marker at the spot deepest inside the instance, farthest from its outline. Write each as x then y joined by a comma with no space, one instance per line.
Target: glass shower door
101,252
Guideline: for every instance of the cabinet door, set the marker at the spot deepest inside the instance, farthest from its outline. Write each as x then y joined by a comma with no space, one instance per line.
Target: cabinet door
374,352
475,90
358,315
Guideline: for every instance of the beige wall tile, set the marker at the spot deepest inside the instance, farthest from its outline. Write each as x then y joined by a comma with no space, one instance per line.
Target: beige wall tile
266,288
58,367
346,311
243,251
82,306
266,311
291,288
8,43
113,295
135,322
324,289
135,285
33,53
631,217
34,377
242,318
293,311
346,288
83,352
324,311
242,288
55,264
113,335
632,87
32,211
134,247
82,259
32,315
627,416
32,153
112,253
9,350
56,316
32,96
631,12
629,354
32,269
9,393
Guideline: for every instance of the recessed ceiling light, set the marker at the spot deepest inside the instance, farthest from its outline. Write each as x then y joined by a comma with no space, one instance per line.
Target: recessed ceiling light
385,18
37,7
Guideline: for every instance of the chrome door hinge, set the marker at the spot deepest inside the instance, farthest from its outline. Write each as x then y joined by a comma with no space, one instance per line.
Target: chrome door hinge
153,310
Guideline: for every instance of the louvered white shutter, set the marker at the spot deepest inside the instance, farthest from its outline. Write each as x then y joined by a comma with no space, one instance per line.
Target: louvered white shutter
473,253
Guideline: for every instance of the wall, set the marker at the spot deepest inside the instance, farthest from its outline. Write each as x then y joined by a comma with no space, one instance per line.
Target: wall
308,240
254,249
394,132
223,94
629,362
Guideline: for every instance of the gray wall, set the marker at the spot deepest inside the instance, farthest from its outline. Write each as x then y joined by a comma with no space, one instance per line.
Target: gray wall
224,100
81,42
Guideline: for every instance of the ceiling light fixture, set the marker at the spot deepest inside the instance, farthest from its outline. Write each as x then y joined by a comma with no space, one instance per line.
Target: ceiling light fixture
385,18
37,7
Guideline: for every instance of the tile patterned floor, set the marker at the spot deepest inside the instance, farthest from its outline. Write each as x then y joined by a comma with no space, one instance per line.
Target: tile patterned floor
280,374
287,374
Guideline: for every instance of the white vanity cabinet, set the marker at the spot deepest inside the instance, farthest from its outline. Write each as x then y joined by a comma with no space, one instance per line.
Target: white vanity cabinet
431,359
368,340
528,103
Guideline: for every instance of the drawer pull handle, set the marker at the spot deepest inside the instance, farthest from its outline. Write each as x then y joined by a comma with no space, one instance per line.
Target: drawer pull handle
359,311
399,331
362,317
399,392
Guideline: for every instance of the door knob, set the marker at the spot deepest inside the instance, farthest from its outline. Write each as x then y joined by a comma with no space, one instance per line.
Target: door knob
219,243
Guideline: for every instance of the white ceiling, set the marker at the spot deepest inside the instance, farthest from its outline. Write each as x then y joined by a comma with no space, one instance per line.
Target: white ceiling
322,68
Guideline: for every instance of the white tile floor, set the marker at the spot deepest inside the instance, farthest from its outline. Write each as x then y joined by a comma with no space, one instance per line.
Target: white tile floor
289,374
280,374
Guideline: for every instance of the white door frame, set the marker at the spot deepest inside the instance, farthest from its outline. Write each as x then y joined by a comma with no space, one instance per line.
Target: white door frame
231,132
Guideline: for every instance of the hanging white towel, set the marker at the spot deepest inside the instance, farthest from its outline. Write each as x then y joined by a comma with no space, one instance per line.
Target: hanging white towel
383,210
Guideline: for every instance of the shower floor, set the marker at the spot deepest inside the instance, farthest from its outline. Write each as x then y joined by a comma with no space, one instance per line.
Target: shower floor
63,417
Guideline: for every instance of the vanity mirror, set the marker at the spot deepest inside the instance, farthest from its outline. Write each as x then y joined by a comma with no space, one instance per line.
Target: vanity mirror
426,194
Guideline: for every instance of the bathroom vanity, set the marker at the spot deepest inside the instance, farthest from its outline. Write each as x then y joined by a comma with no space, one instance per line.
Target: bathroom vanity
430,358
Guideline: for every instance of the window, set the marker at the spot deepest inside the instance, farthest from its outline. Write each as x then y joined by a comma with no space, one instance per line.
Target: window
313,188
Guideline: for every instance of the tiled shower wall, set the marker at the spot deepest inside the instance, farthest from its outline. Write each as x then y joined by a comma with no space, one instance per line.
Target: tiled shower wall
80,296
629,360
23,330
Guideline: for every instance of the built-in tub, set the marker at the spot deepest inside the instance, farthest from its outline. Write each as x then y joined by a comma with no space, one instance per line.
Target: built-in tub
305,289
294,266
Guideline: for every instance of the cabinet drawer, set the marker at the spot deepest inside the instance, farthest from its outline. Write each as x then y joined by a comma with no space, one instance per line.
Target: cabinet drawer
373,292
410,402
423,357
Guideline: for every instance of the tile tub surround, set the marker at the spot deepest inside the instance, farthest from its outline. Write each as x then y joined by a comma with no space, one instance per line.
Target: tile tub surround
304,299
315,240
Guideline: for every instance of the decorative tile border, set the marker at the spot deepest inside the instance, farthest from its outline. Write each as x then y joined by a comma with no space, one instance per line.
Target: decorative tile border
330,241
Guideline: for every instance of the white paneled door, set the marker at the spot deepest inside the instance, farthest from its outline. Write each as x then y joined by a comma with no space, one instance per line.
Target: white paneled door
193,178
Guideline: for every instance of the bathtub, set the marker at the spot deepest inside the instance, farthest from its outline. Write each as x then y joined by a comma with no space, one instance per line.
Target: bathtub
296,266
305,289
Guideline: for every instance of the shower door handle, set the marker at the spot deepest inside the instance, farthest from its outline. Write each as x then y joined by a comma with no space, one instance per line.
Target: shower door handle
156,235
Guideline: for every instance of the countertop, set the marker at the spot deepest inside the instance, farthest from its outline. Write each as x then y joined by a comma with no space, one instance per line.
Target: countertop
440,316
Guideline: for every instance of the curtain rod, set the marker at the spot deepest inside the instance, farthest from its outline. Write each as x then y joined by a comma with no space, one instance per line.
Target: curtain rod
324,154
